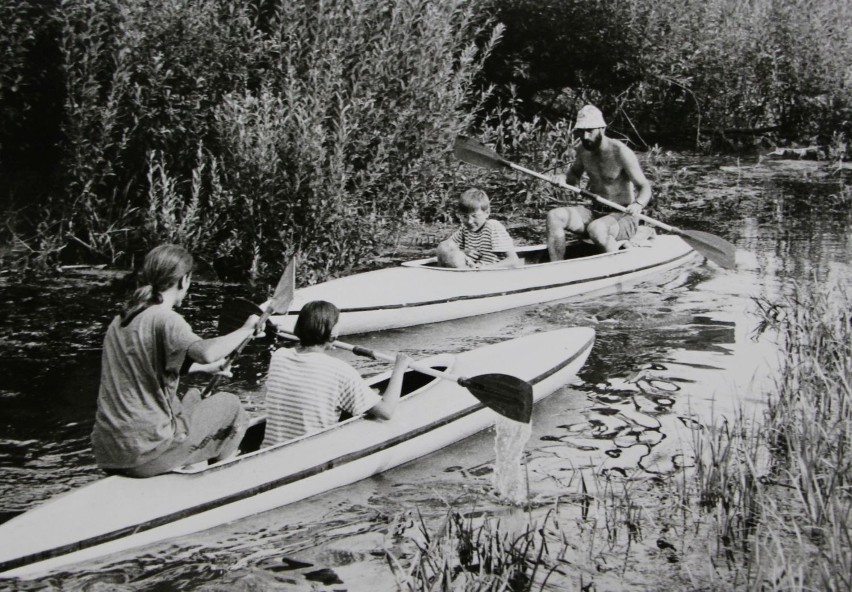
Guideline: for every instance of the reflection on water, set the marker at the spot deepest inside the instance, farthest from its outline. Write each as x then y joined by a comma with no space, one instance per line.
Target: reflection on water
672,356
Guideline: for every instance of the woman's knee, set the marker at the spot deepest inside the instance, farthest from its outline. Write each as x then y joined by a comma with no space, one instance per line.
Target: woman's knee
230,406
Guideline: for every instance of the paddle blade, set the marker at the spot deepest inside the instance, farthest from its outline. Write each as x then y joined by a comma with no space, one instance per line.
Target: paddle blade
283,296
715,248
234,313
472,152
507,395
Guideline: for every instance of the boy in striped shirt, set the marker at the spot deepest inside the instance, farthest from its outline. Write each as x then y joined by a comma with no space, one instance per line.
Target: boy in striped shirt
480,243
307,390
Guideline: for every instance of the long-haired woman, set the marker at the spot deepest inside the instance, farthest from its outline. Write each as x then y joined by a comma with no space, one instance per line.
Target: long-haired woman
142,426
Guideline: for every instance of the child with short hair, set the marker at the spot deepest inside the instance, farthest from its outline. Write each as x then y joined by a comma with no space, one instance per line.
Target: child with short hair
481,242
307,390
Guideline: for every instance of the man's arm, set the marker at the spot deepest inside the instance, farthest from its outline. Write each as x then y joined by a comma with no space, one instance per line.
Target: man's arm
571,176
634,172
575,171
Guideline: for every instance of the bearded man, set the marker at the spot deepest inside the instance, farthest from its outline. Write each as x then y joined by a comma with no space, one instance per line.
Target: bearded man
614,173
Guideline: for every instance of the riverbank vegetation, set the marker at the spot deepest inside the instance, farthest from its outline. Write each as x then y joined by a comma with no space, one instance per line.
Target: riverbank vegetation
252,129
766,505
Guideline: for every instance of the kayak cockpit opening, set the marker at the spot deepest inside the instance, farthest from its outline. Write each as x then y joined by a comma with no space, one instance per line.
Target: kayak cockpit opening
412,382
528,255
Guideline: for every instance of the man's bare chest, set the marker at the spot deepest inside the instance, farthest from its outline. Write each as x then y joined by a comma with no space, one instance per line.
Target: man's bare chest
605,171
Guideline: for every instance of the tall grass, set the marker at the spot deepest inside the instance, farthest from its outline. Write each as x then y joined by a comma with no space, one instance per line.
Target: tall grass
781,490
810,425
475,554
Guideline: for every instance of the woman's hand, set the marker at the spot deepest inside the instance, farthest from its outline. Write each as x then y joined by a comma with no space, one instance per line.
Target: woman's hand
251,325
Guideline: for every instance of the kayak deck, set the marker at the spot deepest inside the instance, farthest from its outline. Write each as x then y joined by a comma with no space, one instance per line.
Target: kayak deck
119,513
420,292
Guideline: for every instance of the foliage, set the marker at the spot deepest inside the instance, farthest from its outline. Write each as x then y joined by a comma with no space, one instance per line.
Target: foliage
30,111
273,126
250,129
680,69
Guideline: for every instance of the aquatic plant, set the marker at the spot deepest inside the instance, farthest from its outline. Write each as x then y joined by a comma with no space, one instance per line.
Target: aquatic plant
467,554
779,489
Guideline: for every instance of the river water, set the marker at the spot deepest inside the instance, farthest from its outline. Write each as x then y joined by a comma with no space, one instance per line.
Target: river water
674,355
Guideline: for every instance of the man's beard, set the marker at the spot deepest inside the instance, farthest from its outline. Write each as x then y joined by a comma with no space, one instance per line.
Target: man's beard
592,145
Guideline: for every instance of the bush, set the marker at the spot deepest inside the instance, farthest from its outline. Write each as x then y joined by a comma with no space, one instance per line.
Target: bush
248,130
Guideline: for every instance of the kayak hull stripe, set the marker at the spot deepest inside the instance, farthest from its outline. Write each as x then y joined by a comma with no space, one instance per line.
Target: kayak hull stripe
320,468
586,280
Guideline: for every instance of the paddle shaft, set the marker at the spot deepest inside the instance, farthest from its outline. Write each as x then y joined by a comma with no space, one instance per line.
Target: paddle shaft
281,300
594,196
377,355
234,354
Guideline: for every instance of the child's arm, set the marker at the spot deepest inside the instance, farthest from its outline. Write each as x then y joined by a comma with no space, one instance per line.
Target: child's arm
510,260
503,246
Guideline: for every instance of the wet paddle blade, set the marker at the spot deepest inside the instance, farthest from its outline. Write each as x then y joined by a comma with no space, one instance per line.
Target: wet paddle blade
507,395
715,248
472,152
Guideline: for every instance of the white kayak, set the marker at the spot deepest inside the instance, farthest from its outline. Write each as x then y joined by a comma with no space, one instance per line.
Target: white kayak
420,292
119,513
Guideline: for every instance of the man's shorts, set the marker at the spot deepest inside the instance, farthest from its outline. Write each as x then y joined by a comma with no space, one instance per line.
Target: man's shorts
627,224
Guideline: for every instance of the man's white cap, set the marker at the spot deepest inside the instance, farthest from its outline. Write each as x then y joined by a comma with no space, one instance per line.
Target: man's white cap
589,117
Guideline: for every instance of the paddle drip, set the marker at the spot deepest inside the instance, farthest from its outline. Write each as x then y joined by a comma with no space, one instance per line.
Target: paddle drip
509,442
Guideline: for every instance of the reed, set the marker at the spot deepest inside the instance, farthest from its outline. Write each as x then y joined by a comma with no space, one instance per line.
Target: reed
464,553
779,489
767,505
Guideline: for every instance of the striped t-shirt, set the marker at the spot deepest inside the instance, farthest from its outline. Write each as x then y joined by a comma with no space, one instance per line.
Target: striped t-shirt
486,244
307,391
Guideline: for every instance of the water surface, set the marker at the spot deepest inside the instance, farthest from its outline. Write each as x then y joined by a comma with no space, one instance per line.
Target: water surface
674,355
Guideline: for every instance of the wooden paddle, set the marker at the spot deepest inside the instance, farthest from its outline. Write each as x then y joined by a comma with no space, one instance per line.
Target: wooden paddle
714,248
507,395
280,303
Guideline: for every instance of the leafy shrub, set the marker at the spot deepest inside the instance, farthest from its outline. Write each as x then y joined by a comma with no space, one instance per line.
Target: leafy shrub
252,129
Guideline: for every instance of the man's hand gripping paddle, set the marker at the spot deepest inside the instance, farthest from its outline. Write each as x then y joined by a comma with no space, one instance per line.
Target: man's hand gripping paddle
714,248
